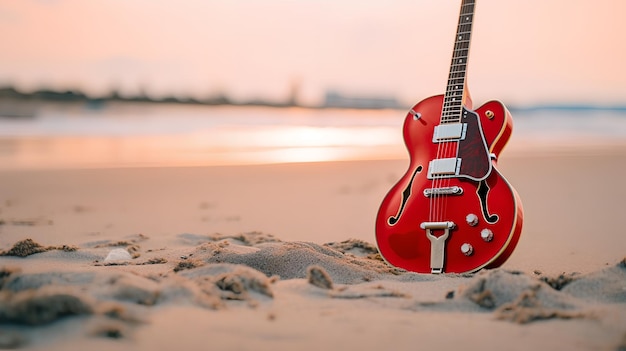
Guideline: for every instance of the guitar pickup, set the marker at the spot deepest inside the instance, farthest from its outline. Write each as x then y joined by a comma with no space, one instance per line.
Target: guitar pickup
449,132
444,167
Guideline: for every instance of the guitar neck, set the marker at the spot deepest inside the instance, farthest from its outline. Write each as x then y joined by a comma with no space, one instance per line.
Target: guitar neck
455,90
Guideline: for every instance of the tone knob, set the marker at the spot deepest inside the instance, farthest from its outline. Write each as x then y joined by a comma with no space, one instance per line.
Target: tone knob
471,219
467,249
486,235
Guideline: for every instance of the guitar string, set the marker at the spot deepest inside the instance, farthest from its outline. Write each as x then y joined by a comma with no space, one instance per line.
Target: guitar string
439,203
454,108
463,36
445,148
443,151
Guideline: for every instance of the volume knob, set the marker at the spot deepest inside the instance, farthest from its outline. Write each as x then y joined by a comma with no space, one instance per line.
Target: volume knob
471,219
486,235
467,249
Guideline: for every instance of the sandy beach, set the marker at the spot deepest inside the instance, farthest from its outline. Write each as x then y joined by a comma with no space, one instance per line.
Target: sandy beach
281,257
207,175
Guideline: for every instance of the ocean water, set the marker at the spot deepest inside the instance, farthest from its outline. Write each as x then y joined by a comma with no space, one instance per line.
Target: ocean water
138,135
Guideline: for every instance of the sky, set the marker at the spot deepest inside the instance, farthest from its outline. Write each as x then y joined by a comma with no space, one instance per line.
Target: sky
523,51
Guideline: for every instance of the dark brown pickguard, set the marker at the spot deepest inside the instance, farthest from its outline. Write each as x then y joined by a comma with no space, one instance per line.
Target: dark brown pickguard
475,162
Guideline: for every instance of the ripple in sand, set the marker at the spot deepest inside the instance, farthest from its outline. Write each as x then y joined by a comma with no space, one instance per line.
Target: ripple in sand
317,276
41,306
528,307
29,247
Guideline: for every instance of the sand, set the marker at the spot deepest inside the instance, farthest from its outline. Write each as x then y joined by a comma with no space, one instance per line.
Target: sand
280,257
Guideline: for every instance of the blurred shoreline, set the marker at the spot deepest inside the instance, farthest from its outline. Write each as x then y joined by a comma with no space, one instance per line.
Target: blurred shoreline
15,103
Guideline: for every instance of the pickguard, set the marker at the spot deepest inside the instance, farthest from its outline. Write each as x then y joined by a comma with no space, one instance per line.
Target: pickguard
473,151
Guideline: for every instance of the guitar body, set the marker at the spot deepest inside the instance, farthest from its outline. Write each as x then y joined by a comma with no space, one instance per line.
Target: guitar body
466,216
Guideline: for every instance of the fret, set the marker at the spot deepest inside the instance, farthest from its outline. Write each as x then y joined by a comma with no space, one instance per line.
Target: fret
456,87
453,93
458,69
450,100
469,4
456,66
455,81
453,111
449,120
457,75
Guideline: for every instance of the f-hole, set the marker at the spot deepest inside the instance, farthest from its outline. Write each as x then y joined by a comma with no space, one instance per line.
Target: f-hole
405,197
482,191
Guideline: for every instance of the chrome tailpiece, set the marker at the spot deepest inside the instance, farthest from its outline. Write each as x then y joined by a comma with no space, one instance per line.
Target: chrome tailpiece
437,244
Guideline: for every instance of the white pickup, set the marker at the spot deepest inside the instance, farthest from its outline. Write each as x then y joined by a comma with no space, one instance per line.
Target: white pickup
449,132
444,167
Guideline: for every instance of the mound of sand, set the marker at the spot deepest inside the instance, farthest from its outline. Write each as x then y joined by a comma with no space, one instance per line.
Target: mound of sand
224,272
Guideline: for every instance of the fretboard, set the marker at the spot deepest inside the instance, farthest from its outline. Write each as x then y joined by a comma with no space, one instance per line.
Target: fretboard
455,91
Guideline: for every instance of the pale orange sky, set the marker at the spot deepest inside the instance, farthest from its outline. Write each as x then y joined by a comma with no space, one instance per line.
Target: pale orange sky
523,51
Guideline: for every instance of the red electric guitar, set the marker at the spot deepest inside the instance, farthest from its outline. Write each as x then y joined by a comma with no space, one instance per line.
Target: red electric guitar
452,211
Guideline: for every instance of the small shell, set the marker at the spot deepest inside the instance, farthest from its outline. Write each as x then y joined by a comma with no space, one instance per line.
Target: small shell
116,255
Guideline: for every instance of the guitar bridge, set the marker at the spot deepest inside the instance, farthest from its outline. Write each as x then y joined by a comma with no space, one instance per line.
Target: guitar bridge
451,190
